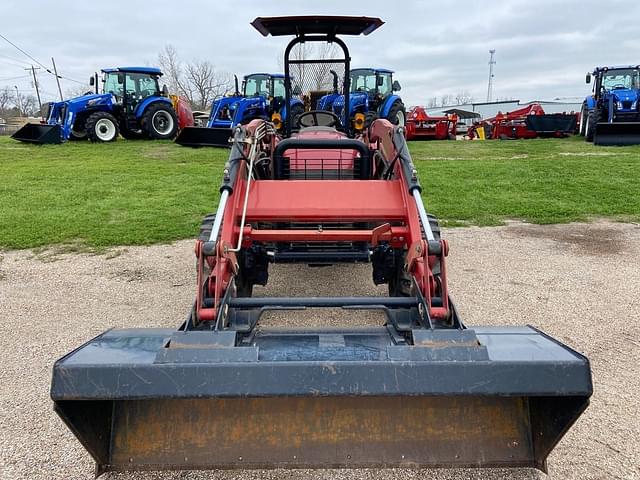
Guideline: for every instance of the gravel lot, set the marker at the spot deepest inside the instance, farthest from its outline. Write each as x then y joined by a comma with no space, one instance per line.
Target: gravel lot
579,282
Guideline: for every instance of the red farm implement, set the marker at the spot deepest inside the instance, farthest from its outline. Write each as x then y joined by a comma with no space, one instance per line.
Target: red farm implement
421,126
227,390
527,122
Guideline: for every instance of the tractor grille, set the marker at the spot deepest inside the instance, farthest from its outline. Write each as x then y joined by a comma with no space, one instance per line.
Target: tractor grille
344,167
627,104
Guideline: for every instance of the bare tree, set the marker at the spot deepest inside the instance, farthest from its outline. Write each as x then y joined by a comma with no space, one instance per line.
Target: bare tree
7,100
447,100
205,83
463,97
432,102
315,76
198,80
172,69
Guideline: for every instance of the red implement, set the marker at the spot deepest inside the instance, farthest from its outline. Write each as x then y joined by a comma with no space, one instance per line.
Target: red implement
421,126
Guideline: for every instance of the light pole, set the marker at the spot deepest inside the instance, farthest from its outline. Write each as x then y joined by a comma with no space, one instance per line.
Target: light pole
492,62
18,100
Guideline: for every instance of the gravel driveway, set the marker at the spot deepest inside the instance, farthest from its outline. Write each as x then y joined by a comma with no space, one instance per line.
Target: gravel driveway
580,283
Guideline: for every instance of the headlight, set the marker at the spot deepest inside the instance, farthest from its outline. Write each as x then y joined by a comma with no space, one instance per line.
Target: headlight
634,105
619,104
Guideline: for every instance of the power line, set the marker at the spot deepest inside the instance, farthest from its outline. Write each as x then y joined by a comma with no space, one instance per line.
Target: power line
14,78
39,63
25,53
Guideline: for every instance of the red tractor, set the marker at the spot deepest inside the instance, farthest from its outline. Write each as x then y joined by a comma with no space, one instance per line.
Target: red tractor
420,126
226,389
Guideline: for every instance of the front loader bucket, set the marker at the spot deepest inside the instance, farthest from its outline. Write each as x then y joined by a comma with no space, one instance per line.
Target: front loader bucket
552,124
146,399
39,133
204,137
622,133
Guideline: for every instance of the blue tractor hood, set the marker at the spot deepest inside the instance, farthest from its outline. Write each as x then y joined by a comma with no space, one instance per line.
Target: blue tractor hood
93,98
626,94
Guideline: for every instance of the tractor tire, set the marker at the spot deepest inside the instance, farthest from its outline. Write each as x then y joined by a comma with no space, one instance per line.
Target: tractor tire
160,121
369,118
295,113
206,226
78,130
590,128
401,285
583,121
397,114
102,127
243,288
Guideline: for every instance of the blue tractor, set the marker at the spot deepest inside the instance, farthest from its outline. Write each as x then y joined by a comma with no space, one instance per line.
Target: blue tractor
262,96
131,104
611,114
372,94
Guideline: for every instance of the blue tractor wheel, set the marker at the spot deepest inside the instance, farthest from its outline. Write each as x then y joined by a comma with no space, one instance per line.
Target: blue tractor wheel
160,121
102,127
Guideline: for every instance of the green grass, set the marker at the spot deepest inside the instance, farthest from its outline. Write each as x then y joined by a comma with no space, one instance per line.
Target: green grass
126,193
539,181
137,193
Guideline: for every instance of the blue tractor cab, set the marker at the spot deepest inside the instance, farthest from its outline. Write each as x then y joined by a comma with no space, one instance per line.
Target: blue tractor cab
262,96
131,104
611,114
371,93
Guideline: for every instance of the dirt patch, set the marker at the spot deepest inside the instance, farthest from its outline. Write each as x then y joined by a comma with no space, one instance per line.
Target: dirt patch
590,238
160,152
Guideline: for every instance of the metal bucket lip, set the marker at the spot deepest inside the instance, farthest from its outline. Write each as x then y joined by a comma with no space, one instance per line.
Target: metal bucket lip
617,134
204,137
95,372
47,134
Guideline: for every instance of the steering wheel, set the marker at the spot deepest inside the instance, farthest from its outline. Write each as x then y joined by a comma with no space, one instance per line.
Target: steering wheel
318,118
618,86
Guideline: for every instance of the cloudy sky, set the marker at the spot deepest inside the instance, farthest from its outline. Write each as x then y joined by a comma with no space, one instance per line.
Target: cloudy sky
543,48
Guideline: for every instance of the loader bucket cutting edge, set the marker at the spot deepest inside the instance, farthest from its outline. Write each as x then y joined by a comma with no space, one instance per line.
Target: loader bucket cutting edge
352,399
204,137
551,123
617,134
38,133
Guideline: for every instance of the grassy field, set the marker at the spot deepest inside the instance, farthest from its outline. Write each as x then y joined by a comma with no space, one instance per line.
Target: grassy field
132,193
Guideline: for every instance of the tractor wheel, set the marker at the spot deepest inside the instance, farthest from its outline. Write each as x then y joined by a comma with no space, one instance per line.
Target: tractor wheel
584,113
78,130
369,118
402,285
295,113
243,287
590,128
206,226
160,122
102,127
397,114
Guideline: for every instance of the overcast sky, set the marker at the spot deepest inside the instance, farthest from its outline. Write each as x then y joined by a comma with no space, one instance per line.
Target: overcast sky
543,47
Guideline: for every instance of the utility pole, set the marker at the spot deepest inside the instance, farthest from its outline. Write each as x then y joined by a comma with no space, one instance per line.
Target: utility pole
18,99
55,71
36,86
492,62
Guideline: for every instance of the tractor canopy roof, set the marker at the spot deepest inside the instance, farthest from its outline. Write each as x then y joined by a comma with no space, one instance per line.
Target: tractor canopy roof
147,70
614,67
274,75
316,24
372,69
